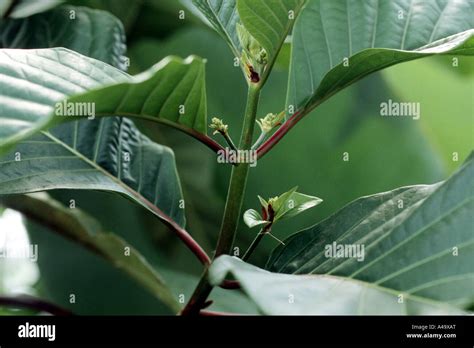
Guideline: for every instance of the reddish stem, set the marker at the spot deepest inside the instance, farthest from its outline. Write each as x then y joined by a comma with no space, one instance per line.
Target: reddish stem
209,142
280,133
188,240
180,232
230,285
30,302
217,314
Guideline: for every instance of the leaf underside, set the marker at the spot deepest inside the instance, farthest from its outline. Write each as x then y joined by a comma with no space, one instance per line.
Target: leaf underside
34,82
94,33
109,154
371,35
418,240
283,294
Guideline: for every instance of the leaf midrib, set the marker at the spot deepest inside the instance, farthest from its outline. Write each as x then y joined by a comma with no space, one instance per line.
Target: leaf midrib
127,188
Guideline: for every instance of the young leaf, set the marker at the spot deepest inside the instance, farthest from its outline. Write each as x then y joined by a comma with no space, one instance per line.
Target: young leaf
110,155
295,204
96,34
417,240
37,82
277,294
252,218
336,43
289,204
269,22
82,228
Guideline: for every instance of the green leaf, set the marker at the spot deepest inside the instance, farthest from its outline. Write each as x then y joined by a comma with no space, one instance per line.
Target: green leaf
35,81
295,204
109,155
93,33
417,240
277,294
223,16
372,35
288,204
279,203
252,218
25,8
269,22
172,92
82,228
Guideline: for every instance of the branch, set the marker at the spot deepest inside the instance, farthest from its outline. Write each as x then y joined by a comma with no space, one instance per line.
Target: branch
233,206
30,302
182,234
230,285
280,133
209,142
188,240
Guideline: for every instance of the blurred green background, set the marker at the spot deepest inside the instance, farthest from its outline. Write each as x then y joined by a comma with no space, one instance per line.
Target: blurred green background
384,153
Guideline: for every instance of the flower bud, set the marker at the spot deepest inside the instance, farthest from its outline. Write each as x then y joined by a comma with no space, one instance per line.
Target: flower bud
218,125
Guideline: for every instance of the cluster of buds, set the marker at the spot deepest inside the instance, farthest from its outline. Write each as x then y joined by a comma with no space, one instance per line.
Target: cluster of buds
254,56
218,125
270,121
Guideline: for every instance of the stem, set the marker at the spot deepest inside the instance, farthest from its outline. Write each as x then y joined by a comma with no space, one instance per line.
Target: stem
233,206
265,230
229,141
30,302
259,141
230,284
253,245
280,133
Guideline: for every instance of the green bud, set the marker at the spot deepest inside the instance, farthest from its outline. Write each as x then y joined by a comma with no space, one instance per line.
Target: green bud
254,56
270,121
218,125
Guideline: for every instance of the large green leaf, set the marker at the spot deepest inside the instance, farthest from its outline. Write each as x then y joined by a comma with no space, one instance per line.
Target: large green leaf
276,293
94,33
82,228
417,240
35,81
373,35
223,16
110,155
25,8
